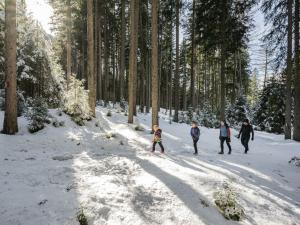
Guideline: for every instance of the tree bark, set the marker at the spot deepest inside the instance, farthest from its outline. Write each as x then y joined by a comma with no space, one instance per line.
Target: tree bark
90,57
99,58
122,52
134,12
10,125
296,135
288,97
192,88
222,69
176,83
69,48
154,64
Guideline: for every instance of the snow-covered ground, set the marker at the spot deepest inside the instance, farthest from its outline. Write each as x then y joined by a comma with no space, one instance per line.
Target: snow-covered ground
47,177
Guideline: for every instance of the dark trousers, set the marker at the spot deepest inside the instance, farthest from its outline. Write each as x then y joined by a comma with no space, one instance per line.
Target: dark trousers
245,142
160,144
222,140
195,141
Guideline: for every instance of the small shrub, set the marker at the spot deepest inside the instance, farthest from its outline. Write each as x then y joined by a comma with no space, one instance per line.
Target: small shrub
110,135
82,218
37,115
76,102
139,128
55,122
226,200
295,161
109,114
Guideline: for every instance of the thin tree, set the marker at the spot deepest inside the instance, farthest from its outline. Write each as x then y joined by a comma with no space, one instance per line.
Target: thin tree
154,62
288,97
296,135
90,57
68,45
176,80
10,125
134,12
122,50
192,88
223,51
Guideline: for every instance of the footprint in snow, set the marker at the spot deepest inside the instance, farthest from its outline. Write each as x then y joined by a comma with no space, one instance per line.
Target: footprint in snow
62,157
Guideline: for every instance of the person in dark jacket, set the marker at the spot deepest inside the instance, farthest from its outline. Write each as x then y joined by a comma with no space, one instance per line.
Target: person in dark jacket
195,133
225,135
245,131
157,138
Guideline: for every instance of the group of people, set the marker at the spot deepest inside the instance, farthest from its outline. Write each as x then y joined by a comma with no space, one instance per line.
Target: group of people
246,132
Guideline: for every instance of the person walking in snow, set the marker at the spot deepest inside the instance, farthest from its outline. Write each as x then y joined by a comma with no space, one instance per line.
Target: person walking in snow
195,133
157,138
245,131
225,135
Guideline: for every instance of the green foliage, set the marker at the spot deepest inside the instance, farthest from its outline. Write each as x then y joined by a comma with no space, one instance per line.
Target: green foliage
206,117
81,217
253,93
37,115
270,112
75,102
238,112
109,113
226,200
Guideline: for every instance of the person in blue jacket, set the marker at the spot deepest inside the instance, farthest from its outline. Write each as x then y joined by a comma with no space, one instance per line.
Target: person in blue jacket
195,133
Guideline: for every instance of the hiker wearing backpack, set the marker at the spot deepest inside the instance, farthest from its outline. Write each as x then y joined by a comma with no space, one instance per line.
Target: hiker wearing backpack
157,138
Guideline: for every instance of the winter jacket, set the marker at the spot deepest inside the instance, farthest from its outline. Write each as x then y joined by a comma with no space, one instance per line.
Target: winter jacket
228,134
195,133
246,130
157,135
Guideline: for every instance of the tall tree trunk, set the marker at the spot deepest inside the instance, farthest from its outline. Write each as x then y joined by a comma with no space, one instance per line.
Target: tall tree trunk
90,57
192,88
105,91
134,11
69,49
222,69
10,125
176,83
122,53
99,58
143,18
154,65
288,100
296,135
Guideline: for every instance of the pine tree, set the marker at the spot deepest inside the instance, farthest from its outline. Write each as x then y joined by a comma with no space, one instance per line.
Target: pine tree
238,112
270,113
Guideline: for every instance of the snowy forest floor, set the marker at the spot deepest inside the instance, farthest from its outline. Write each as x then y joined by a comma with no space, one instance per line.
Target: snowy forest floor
47,177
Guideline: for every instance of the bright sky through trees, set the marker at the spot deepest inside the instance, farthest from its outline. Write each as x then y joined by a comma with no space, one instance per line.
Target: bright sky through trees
41,11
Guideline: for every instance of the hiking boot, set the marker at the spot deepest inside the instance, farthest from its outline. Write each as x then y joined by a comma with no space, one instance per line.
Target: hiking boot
221,153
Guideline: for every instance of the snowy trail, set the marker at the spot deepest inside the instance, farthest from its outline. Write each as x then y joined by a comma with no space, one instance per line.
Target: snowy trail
118,181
